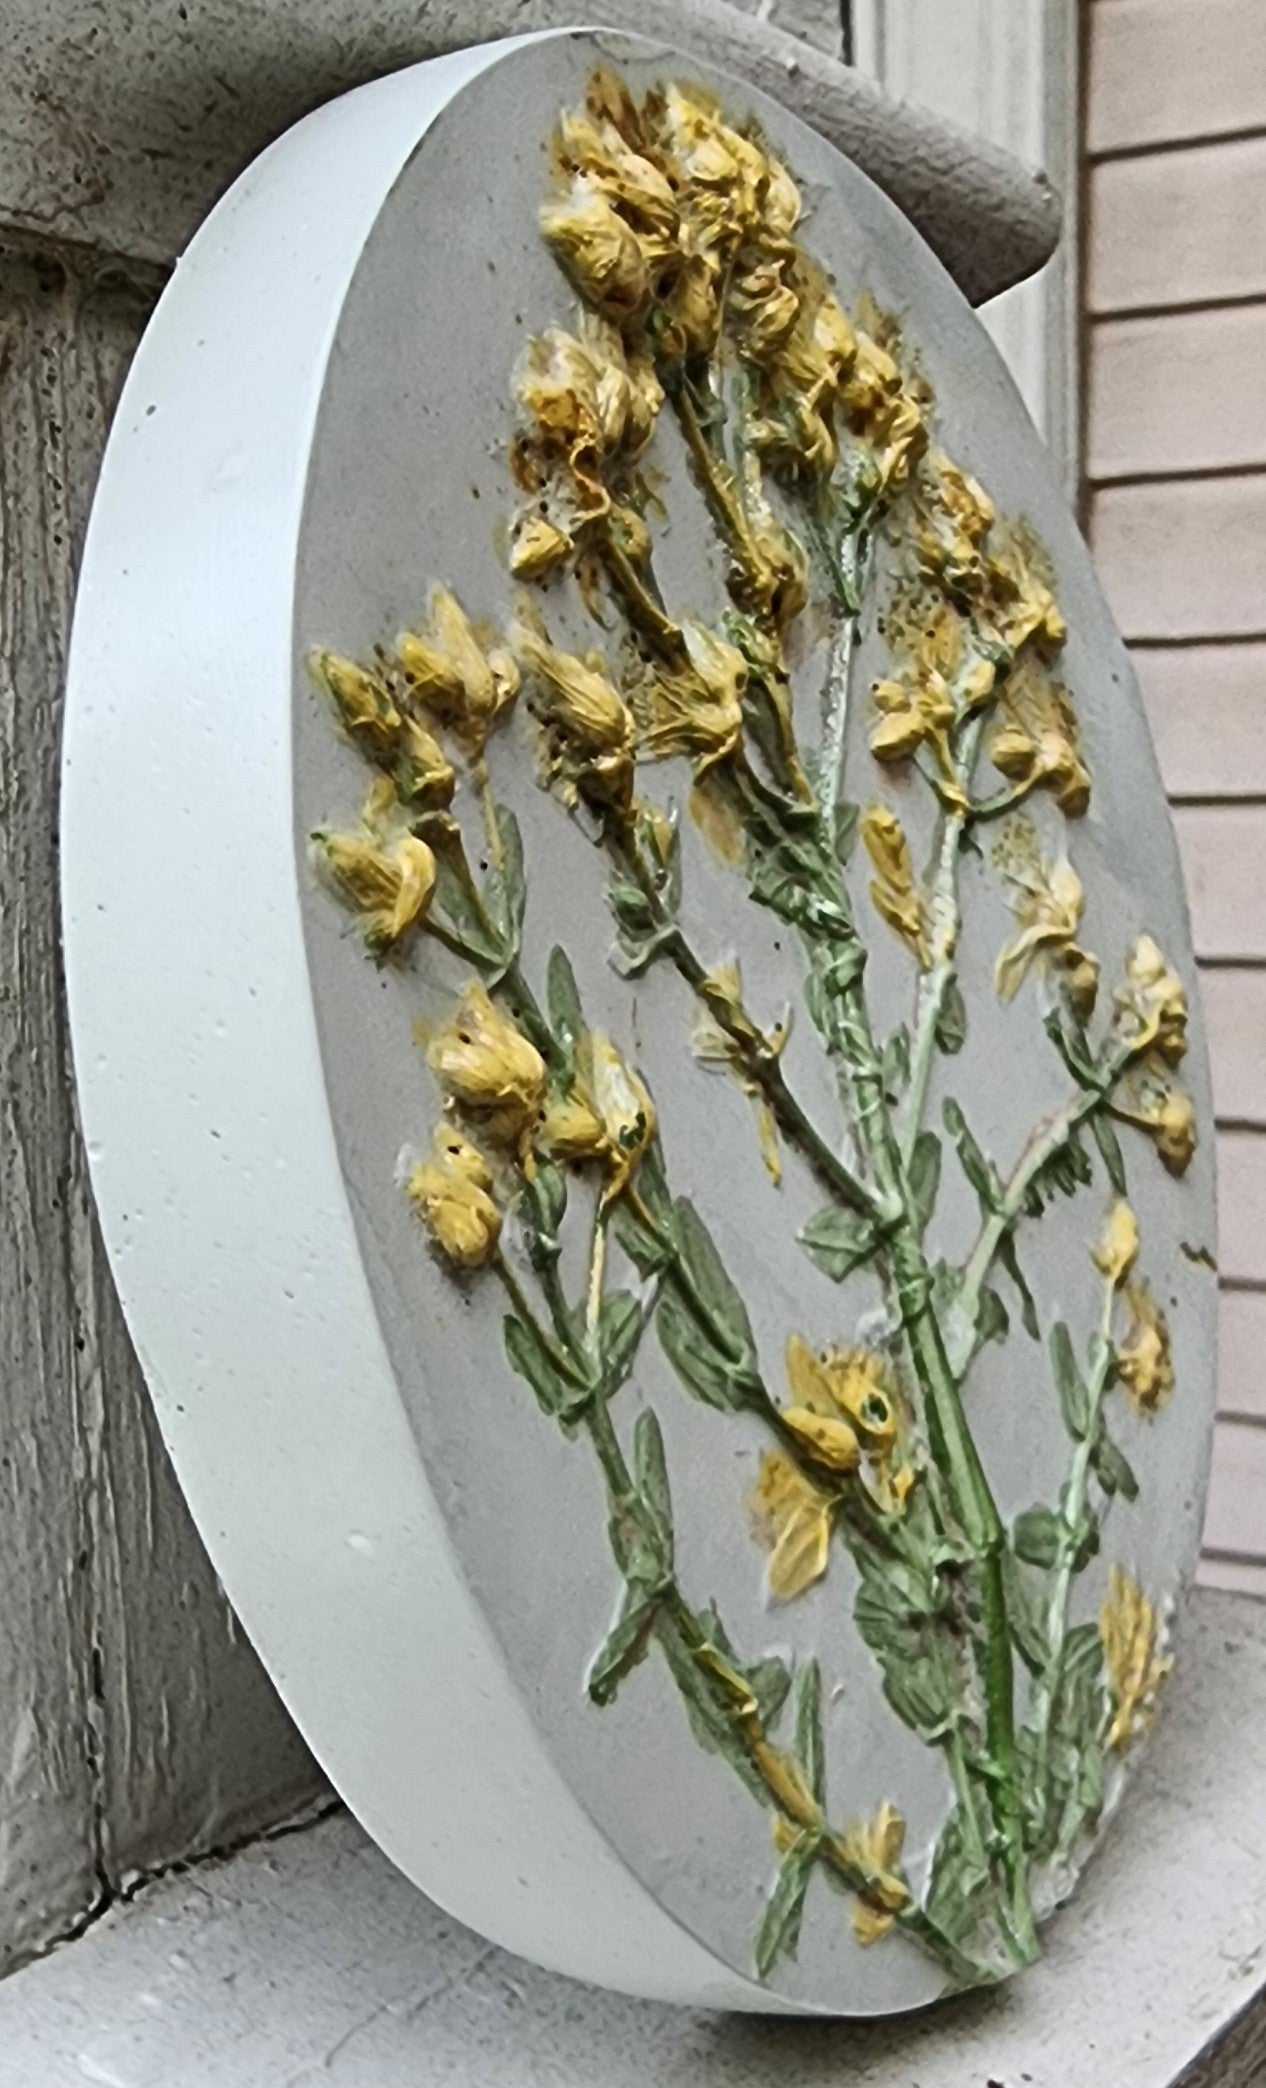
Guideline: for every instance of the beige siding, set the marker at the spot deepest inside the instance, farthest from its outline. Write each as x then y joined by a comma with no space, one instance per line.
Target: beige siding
1178,228
1205,707
1182,392
1176,465
1163,70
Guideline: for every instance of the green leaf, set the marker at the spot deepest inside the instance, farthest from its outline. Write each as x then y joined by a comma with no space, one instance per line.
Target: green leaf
847,821
1074,1397
1039,1536
1011,1263
1027,1613
979,1171
1112,1468
458,905
838,1241
917,1694
650,1469
505,891
951,1027
895,1064
1110,1151
619,1331
544,1207
924,1178
712,1280
703,1370
810,1745
779,1933
992,1320
531,1362
647,1250
624,1646
956,1881
563,1000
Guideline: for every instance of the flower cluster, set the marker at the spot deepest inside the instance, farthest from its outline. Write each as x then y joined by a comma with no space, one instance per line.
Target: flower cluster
843,1418
941,681
605,1118
1144,1359
1035,744
1136,1669
874,1846
1150,1020
1048,901
452,1192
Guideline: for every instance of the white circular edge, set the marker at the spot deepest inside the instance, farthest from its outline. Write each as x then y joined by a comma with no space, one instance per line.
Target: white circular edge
222,1202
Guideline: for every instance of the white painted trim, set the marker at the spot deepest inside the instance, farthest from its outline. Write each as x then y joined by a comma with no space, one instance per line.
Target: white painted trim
1007,70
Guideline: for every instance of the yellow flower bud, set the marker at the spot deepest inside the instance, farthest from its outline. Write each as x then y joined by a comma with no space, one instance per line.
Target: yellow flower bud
1145,1362
390,888
893,889
596,247
489,1070
874,1848
452,1193
363,701
1127,1629
449,672
423,774
1118,1249
538,547
607,1115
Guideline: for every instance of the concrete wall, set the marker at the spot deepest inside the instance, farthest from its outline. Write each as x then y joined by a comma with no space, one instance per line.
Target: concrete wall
1175,301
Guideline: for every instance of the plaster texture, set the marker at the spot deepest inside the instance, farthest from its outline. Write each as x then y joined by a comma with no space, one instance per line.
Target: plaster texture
122,126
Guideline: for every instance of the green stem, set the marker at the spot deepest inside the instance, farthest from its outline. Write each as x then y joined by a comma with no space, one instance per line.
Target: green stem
1049,1139
758,1060
944,923
1073,1509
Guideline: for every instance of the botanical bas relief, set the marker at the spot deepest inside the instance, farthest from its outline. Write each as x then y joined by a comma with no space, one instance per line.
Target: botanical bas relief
811,437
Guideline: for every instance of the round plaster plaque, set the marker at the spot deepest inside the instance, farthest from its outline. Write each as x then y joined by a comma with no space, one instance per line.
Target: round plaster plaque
632,1003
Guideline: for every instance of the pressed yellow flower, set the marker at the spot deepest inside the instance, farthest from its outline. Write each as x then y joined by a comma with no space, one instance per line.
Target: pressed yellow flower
791,1520
589,142
715,1043
1127,1629
851,1383
873,384
830,1440
364,702
697,709
1145,1363
1036,745
607,1116
952,519
1166,1112
893,890
390,888
874,1848
488,1070
585,407
1118,1248
423,774
597,248
589,725
1022,605
726,176
450,673
762,308
910,714
452,1193
1152,1005
1048,901
537,547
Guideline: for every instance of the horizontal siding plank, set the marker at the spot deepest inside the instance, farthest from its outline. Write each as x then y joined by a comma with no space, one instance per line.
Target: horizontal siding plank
1236,1516
1184,392
1185,559
1224,861
1235,1018
1242,1352
1232,1576
1206,705
1163,70
1242,1206
1178,228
